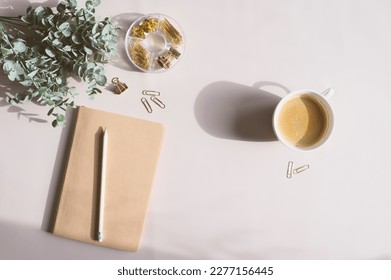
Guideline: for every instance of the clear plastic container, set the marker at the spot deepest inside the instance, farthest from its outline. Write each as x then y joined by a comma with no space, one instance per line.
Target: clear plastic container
154,43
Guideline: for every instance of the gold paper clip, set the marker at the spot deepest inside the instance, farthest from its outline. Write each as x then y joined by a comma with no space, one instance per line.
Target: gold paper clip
146,105
151,92
170,31
140,55
301,169
158,102
289,170
119,86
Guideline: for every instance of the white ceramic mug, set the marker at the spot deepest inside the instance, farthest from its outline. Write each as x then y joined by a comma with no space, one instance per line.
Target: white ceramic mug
303,120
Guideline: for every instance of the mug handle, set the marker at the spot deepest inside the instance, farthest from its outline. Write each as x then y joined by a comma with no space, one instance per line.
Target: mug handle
328,93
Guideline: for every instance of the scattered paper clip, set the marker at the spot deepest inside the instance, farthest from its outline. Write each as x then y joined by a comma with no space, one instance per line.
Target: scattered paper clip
289,170
158,102
301,169
153,96
146,105
151,92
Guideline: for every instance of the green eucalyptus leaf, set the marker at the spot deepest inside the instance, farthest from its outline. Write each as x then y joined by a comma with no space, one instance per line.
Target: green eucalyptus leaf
101,80
60,80
39,11
47,38
89,4
99,70
19,47
88,50
64,26
106,30
57,34
90,65
27,19
77,39
11,100
98,57
67,32
42,90
8,66
71,41
32,74
50,102
27,97
73,90
80,71
96,3
60,118
50,111
61,7
12,75
95,28
6,52
91,85
55,98
39,81
88,78
71,3
14,101
55,123
19,69
50,52
67,48
26,83
56,42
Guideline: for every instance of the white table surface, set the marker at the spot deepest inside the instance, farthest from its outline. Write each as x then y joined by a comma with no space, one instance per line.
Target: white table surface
221,190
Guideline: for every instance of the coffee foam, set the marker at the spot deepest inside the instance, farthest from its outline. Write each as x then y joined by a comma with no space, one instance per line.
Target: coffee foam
303,121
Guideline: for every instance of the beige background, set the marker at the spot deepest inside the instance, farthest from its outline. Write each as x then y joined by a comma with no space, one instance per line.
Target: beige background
220,191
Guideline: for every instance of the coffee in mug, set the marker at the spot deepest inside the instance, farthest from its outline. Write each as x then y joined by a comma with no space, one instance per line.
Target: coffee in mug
303,120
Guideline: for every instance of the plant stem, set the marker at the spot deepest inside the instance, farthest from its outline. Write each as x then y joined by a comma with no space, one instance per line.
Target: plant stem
16,21
12,22
12,18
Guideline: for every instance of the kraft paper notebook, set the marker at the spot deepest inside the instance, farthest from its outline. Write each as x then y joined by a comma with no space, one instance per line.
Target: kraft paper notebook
132,155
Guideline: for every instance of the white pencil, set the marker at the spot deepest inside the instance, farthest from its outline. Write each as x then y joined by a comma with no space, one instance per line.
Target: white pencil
102,186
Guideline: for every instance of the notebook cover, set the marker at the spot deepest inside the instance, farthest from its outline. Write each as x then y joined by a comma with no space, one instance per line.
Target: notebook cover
132,155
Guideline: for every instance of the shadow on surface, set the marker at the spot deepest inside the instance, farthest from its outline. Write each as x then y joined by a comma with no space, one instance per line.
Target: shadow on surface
237,112
58,172
23,242
7,88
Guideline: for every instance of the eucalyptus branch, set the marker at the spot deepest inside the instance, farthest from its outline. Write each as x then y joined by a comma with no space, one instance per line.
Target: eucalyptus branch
51,46
16,18
13,22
